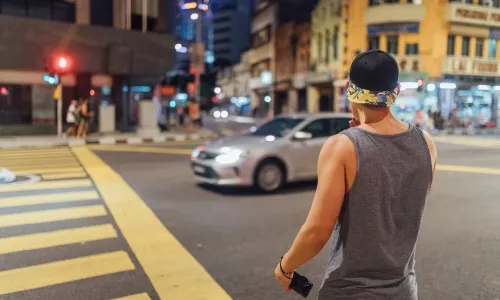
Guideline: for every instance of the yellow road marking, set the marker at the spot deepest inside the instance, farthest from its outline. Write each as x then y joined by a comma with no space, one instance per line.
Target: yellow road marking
37,156
38,170
64,175
176,276
142,296
47,198
22,163
56,238
46,185
5,153
466,169
38,276
50,166
52,215
142,149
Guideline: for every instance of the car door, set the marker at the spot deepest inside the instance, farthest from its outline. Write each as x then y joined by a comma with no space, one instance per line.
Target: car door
306,152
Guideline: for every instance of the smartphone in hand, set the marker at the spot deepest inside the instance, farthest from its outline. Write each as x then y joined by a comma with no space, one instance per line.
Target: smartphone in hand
301,285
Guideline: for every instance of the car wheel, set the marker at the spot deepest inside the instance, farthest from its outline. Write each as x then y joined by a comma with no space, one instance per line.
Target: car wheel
270,176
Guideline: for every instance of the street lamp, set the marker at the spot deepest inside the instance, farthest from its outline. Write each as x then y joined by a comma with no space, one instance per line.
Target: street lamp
217,90
178,47
194,16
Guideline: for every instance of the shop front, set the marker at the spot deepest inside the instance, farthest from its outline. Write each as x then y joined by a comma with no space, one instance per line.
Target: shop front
320,96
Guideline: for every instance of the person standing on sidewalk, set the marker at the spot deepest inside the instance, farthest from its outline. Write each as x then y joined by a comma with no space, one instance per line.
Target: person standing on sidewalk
72,119
373,182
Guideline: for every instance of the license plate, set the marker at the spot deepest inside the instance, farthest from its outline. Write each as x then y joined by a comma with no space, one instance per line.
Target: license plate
199,169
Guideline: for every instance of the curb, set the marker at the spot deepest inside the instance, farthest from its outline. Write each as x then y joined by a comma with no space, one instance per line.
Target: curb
172,137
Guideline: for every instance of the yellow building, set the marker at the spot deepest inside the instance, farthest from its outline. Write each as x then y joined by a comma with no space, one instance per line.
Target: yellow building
326,55
447,50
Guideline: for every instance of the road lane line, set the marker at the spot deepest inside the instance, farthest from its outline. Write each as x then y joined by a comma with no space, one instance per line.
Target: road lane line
46,185
36,170
141,296
56,238
467,169
52,215
142,149
17,201
39,164
64,271
33,152
42,167
173,271
64,175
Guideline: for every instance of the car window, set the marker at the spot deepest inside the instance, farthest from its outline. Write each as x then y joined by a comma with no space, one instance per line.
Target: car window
278,127
319,128
339,125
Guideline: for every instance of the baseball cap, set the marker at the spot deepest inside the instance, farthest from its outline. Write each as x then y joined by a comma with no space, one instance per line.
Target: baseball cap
373,79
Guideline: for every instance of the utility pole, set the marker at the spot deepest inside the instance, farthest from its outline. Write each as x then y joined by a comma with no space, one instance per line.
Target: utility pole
199,41
144,15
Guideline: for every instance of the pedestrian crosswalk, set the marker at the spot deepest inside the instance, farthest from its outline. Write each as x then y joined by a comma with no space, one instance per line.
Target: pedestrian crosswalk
30,215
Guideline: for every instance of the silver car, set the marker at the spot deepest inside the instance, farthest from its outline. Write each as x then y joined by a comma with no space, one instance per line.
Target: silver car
285,149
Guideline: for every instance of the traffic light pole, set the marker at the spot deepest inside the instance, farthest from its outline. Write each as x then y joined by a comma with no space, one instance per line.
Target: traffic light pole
59,110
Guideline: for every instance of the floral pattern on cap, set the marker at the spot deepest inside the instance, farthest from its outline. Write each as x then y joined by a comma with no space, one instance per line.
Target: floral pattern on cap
358,95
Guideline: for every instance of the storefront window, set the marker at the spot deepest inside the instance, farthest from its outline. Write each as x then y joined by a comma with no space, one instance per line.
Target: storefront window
320,47
335,42
492,48
327,46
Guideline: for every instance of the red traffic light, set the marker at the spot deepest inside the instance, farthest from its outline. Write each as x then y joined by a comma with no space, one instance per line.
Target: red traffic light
62,64
3,90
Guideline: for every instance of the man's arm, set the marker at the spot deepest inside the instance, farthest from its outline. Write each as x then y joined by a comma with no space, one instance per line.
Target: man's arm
326,205
432,151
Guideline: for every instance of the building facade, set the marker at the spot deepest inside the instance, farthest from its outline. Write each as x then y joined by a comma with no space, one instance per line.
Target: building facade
268,16
113,62
292,67
234,83
447,51
231,20
326,56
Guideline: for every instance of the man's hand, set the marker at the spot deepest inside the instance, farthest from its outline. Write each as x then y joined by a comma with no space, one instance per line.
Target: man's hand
282,279
354,122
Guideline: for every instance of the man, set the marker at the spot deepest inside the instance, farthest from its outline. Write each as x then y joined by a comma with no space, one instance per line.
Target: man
71,118
373,181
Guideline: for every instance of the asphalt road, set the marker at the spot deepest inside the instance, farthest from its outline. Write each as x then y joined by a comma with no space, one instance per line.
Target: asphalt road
238,236
234,234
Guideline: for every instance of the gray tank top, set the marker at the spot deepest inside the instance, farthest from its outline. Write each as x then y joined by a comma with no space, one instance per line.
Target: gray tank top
373,249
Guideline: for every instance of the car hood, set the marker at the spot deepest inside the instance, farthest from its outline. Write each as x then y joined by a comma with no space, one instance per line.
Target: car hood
245,142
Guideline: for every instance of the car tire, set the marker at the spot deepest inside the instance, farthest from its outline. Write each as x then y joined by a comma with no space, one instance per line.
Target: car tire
270,176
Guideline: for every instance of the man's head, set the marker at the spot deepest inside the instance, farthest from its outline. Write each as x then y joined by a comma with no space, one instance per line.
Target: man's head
74,102
373,82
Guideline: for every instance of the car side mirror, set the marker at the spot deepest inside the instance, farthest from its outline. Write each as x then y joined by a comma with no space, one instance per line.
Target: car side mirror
302,136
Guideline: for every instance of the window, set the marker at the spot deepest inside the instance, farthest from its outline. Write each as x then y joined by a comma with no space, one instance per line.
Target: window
492,48
327,46
335,42
373,42
320,47
40,9
319,129
373,2
261,37
496,3
468,1
340,125
451,45
479,47
278,127
465,46
392,44
411,49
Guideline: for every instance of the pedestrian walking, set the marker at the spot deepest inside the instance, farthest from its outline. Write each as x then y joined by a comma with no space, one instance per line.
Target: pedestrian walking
194,115
373,182
72,118
85,115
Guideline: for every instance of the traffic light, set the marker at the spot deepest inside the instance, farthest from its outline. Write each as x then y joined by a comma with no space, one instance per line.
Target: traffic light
420,85
62,64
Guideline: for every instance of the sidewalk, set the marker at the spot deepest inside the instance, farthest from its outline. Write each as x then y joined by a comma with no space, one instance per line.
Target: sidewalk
492,132
106,139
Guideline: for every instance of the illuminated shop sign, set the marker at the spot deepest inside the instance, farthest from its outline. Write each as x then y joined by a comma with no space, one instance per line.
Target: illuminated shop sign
393,28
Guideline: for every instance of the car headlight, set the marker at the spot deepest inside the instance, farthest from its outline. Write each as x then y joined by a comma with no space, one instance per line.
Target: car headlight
230,157
216,114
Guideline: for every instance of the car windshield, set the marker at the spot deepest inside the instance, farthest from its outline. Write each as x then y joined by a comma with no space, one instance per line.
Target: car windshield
278,127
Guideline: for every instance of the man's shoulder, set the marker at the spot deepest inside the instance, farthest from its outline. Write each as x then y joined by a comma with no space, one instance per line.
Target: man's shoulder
340,144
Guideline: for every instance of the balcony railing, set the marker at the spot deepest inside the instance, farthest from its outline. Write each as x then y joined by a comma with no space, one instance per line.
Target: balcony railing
409,63
394,13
